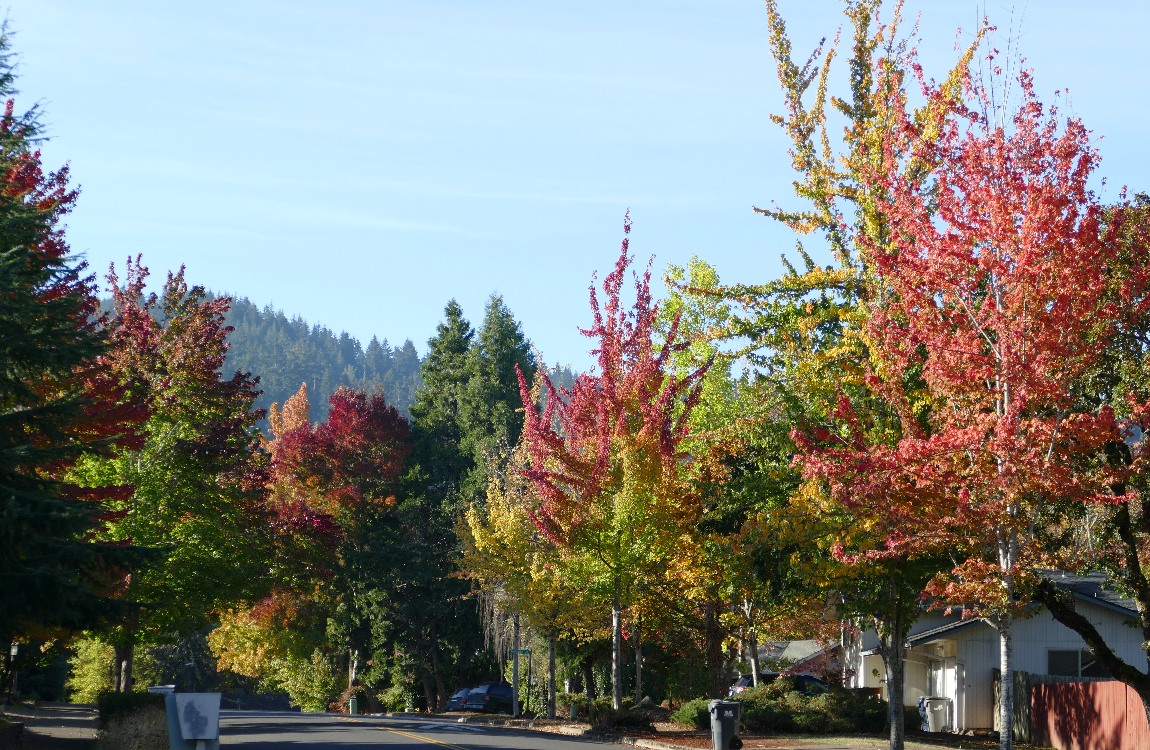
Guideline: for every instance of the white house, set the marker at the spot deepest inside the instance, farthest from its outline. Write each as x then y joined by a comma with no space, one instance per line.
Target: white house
955,660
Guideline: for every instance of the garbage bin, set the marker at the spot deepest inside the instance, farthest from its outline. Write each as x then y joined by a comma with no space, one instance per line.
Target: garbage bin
353,705
937,714
725,724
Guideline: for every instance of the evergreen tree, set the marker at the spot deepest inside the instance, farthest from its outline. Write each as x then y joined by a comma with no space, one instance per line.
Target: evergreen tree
286,352
491,409
437,412
51,574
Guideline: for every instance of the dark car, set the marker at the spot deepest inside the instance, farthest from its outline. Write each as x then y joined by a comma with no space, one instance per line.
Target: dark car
490,698
455,702
740,685
804,683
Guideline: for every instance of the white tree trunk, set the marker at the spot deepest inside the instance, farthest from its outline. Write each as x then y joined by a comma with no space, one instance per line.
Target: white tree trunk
1006,683
616,652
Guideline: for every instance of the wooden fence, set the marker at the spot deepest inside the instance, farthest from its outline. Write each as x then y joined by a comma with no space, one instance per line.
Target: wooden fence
1088,716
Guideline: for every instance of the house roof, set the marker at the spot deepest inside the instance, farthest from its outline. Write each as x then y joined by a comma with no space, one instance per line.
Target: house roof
790,652
942,631
1096,589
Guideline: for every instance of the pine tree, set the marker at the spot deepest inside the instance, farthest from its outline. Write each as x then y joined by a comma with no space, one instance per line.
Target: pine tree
491,409
51,574
437,412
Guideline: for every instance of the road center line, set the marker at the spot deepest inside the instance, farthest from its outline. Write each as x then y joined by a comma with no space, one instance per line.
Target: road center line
411,736
421,738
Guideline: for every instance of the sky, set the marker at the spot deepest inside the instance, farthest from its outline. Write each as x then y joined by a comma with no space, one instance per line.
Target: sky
359,163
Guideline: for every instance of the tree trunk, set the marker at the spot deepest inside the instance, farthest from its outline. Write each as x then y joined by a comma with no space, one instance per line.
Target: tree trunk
892,647
428,692
1008,552
714,652
515,666
551,676
440,687
589,680
1006,683
616,651
638,666
753,647
122,677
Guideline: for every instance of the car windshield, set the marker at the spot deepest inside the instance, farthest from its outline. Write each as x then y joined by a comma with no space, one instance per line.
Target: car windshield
481,689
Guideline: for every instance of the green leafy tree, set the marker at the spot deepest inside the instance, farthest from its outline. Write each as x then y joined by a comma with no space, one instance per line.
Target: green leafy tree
197,494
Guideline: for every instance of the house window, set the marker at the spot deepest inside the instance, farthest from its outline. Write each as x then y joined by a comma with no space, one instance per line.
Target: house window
1077,663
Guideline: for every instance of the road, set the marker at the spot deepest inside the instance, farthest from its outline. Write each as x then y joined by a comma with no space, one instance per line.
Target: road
253,730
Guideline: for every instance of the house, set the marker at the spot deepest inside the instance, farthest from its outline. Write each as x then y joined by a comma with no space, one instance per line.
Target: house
808,657
955,660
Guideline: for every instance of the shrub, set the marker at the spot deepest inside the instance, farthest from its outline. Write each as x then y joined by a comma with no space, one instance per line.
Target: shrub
116,706
777,707
91,664
604,718
311,683
694,713
132,721
564,702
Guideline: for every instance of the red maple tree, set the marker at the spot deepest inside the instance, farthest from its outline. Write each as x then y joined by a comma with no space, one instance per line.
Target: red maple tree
605,453
992,301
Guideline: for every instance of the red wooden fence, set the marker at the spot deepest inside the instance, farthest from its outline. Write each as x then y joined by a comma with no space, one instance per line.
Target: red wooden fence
1088,716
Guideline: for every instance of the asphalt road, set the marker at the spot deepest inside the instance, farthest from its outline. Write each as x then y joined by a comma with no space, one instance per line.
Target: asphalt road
266,731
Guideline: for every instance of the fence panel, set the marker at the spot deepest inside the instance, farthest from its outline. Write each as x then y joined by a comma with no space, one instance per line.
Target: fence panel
1088,716
1137,727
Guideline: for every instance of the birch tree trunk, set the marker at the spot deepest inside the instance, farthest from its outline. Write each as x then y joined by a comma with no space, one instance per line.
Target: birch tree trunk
616,650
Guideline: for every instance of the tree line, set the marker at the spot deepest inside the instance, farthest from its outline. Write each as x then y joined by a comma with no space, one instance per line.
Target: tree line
286,352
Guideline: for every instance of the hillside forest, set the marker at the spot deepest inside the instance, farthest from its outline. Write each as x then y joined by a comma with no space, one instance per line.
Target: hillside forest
942,410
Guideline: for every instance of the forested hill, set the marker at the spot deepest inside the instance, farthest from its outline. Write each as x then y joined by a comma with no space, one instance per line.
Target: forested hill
286,352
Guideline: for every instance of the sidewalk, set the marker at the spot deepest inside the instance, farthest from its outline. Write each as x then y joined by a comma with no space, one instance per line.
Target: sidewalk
54,726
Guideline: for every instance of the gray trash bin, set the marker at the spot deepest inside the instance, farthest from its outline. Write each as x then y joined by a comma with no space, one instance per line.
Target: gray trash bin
725,724
937,714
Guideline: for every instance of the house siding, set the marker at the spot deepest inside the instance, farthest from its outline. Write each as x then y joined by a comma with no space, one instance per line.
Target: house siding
971,656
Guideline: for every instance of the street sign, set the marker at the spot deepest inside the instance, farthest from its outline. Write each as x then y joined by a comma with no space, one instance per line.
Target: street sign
525,651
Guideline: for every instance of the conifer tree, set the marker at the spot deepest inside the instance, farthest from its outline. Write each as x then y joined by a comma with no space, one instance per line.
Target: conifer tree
51,382
491,410
437,412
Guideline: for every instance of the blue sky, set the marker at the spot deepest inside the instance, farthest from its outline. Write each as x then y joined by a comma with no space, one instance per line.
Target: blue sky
360,163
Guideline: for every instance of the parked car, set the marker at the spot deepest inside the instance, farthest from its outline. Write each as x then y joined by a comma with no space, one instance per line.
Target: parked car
740,685
455,702
490,697
804,683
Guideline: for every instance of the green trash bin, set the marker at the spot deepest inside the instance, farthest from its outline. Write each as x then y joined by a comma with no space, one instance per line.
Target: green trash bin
725,724
353,705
